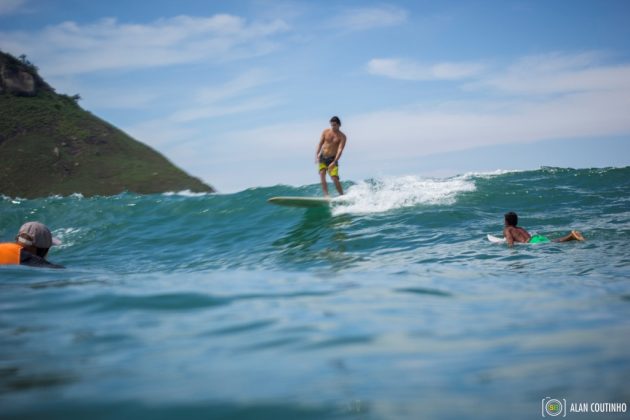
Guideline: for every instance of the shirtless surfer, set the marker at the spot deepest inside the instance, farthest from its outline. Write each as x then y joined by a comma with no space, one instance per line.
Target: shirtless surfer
328,152
513,233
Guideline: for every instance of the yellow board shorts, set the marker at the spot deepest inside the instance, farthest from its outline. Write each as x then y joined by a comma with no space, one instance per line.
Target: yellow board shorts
323,164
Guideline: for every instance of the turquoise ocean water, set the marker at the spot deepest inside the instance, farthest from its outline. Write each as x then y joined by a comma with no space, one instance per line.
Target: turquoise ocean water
390,305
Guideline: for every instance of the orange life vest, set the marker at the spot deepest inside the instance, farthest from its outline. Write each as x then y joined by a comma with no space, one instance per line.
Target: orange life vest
10,253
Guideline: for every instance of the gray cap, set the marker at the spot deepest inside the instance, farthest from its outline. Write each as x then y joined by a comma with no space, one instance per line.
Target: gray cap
37,235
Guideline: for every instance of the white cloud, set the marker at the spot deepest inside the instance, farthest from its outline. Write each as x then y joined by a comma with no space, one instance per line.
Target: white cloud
411,70
71,48
236,96
557,74
554,73
551,96
8,7
557,61
232,97
219,110
240,85
369,17
423,132
161,134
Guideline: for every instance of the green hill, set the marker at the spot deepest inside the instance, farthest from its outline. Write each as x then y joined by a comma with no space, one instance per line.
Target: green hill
50,145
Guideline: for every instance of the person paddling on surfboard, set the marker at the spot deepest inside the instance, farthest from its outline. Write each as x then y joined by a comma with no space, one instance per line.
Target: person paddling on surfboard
328,153
513,233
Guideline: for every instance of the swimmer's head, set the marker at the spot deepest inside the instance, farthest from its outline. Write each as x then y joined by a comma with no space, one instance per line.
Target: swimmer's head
36,236
336,120
511,219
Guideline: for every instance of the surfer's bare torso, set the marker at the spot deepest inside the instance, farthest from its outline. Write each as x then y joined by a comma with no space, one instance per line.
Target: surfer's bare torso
516,234
331,140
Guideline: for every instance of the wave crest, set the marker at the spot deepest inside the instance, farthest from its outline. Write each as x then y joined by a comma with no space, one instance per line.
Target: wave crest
381,195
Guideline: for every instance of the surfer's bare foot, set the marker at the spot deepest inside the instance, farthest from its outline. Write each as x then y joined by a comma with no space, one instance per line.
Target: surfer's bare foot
577,235
573,236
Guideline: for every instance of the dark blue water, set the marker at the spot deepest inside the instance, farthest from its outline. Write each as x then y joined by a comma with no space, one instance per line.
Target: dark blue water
390,305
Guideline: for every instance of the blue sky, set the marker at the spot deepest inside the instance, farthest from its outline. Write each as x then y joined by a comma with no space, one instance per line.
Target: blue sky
237,93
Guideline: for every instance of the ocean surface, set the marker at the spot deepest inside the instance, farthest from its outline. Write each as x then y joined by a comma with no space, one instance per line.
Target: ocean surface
390,305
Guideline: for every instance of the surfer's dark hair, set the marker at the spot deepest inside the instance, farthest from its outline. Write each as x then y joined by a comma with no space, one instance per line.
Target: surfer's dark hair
511,218
336,119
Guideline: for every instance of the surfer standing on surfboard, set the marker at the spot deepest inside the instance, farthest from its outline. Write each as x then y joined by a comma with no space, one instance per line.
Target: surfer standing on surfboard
329,151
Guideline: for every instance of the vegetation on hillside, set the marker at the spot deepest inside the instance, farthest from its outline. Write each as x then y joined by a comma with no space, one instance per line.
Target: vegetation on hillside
50,145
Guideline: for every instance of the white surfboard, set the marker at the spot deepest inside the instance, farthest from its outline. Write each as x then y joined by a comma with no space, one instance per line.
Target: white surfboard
496,239
300,201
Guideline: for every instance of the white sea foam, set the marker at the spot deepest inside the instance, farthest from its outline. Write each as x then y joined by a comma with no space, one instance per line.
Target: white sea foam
13,200
490,174
66,236
185,193
380,195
